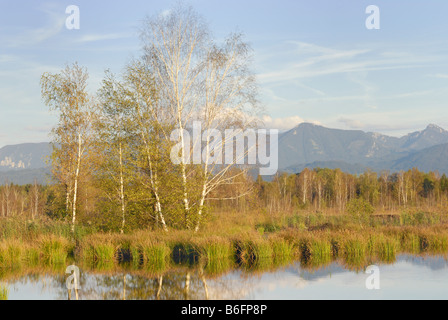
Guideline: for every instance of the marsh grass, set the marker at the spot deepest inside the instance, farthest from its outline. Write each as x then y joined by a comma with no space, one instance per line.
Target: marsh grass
100,250
355,250
32,256
253,253
387,249
155,256
184,253
54,249
315,251
4,293
283,250
105,252
11,254
217,255
256,240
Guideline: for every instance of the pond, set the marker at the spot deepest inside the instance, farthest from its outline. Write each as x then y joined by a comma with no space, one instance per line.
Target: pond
409,277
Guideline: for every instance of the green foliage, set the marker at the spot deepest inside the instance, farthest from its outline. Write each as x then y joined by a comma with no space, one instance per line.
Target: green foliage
315,251
54,250
4,292
419,218
360,209
387,249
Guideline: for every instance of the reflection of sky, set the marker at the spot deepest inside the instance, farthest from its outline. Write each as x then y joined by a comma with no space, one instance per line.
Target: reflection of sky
408,278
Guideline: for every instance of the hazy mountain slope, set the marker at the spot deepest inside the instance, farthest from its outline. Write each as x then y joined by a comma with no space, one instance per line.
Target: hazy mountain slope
26,176
431,136
429,159
353,149
306,145
24,156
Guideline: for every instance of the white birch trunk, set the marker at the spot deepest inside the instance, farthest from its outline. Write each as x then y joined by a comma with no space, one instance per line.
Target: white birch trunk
123,206
75,190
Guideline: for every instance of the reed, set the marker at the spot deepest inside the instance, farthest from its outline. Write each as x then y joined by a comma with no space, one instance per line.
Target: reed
261,249
217,254
11,254
32,256
100,249
105,252
283,251
355,251
54,249
315,251
387,249
4,293
436,243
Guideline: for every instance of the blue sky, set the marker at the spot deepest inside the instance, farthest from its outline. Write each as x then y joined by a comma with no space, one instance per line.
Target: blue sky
315,60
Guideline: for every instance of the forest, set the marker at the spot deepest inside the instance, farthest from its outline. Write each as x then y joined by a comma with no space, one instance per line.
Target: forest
325,191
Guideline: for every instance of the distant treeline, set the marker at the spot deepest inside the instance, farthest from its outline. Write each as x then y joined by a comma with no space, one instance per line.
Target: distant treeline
322,189
311,190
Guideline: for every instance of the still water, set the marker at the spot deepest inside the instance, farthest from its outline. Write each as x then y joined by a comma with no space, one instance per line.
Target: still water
409,277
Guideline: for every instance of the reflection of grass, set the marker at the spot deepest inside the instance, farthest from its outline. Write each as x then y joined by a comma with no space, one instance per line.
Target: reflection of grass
4,293
254,253
154,256
355,252
54,250
387,249
315,251
283,251
32,257
216,267
98,249
217,254
317,239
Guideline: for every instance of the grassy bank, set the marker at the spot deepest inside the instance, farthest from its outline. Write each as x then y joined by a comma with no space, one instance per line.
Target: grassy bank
252,242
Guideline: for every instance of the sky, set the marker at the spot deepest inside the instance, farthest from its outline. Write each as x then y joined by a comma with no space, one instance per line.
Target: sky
315,61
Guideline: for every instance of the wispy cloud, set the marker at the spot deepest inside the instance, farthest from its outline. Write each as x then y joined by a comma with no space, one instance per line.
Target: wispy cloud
283,123
385,122
103,37
32,36
352,123
40,129
440,75
305,60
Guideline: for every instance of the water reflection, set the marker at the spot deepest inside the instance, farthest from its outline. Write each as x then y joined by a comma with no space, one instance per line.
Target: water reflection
410,277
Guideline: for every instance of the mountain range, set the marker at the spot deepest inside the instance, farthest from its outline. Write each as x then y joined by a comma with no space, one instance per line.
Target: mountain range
25,163
305,146
354,151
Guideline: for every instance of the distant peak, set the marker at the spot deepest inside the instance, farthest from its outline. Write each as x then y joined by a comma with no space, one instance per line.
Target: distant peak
307,124
433,126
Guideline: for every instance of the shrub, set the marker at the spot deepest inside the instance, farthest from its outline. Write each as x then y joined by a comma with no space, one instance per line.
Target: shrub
360,210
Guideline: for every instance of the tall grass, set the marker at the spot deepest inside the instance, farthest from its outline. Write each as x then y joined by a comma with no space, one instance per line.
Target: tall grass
217,254
54,249
315,251
11,254
256,240
355,251
4,292
155,254
283,250
100,250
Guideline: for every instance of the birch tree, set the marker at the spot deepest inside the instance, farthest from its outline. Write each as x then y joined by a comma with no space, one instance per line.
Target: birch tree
151,127
66,93
114,129
199,80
